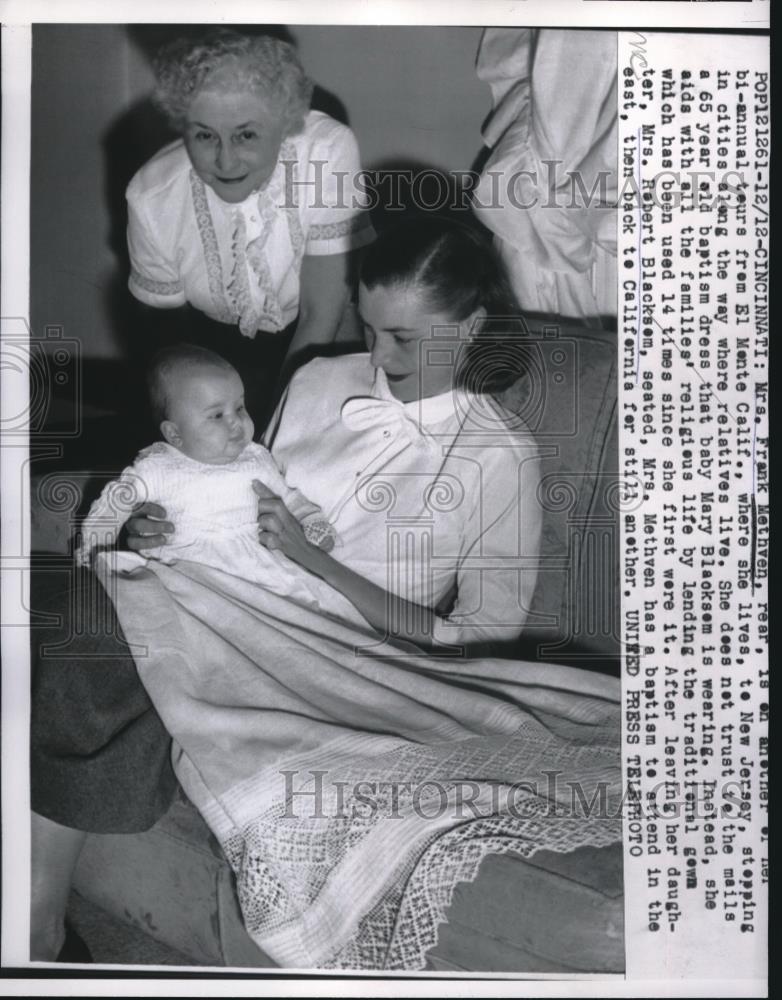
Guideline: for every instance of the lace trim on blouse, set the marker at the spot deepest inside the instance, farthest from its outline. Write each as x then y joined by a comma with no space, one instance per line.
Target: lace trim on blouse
155,287
253,255
269,317
206,231
239,285
234,301
336,230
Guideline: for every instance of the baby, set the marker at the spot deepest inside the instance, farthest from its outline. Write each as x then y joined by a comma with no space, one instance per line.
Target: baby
202,474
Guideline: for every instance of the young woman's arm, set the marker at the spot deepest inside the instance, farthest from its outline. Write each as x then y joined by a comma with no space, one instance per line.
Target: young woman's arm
495,572
392,616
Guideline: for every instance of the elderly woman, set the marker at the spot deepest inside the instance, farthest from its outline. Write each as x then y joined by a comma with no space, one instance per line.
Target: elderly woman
432,488
251,216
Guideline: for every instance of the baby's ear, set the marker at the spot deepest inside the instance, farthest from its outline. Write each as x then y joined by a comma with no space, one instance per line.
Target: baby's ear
475,322
170,432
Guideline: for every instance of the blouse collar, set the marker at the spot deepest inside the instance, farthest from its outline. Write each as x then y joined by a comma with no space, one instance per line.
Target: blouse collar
424,412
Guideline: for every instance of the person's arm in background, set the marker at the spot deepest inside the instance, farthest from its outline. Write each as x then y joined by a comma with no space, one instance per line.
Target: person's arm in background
161,314
324,294
154,279
336,223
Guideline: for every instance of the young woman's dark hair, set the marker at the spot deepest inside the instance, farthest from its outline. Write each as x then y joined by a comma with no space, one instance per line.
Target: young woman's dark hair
460,273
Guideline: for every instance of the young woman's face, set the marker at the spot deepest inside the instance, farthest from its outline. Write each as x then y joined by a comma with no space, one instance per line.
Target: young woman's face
416,347
233,141
207,419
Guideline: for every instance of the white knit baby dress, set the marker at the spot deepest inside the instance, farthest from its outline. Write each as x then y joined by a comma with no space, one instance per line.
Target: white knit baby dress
214,512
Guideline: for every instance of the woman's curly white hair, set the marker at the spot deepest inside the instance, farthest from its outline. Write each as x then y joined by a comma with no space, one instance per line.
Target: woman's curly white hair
261,63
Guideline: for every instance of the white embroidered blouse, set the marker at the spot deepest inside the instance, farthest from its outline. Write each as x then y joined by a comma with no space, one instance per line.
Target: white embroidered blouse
241,263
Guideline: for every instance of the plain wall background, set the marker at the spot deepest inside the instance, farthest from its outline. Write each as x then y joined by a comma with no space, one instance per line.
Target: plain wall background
410,95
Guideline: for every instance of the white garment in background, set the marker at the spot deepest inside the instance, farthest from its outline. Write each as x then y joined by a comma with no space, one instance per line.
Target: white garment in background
418,493
214,511
241,263
554,119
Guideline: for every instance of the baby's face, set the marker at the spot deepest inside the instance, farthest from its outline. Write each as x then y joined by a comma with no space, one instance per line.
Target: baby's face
207,419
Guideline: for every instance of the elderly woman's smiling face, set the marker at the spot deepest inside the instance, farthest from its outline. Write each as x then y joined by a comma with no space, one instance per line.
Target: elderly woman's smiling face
233,139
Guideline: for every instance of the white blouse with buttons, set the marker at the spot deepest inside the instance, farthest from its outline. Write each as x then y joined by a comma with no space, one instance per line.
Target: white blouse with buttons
423,495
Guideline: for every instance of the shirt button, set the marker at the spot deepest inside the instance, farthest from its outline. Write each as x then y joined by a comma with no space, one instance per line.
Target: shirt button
386,434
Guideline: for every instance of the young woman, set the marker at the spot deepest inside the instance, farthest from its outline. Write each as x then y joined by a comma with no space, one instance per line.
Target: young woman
415,417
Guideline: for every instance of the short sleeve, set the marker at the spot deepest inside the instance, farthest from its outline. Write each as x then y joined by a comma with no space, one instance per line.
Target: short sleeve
154,279
497,567
336,214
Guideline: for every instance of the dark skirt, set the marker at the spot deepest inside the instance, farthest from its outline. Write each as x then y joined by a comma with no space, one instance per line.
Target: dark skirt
100,758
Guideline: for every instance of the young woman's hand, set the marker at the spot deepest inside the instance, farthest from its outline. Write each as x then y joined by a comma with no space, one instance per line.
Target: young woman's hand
146,528
279,529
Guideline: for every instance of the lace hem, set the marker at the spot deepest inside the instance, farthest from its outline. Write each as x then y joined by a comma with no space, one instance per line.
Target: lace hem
404,926
275,877
333,888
